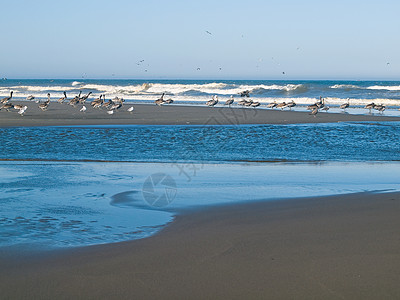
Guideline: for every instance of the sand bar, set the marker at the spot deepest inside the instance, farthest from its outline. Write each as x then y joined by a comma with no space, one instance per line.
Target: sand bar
147,114
336,247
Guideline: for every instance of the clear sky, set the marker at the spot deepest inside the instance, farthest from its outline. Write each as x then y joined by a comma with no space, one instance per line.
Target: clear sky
249,39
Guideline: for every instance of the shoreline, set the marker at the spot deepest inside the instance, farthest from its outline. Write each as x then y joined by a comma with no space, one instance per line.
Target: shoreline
148,114
341,246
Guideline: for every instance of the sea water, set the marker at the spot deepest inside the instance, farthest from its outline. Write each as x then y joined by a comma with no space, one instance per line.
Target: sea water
86,185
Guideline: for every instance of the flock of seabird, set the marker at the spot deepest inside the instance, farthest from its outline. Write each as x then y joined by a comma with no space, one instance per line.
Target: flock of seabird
113,105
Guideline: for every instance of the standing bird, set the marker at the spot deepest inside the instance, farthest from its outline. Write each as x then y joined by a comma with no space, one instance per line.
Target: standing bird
291,104
248,103
272,104
208,103
380,108
345,105
84,98
30,98
160,100
108,103
115,106
370,106
6,99
74,101
43,106
255,104
7,106
242,102
83,109
62,99
97,102
169,101
281,105
230,101
22,110
213,101
130,109
321,103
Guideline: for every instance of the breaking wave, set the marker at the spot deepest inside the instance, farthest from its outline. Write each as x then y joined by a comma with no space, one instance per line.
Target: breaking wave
169,89
345,86
388,88
373,87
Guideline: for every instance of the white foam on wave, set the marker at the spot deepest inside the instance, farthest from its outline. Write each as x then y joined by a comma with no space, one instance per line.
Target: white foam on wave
217,88
345,86
117,89
361,102
159,88
34,88
374,87
285,88
176,89
380,87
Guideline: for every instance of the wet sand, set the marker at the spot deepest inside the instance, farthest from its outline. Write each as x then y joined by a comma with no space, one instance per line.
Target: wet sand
147,114
337,247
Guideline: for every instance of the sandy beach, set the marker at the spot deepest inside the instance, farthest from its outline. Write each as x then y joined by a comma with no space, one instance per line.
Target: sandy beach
336,247
147,114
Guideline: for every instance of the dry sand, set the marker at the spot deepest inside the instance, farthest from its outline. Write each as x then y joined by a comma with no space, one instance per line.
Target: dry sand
147,114
338,247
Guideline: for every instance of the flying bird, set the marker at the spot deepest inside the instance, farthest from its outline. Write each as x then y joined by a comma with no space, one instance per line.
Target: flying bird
208,32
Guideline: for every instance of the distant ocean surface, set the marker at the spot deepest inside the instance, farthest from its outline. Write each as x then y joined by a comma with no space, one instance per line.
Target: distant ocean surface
357,142
194,91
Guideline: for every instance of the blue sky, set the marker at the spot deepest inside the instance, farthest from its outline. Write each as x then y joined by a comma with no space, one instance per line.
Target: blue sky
249,39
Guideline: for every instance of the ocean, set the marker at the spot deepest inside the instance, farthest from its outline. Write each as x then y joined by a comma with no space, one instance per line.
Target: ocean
71,186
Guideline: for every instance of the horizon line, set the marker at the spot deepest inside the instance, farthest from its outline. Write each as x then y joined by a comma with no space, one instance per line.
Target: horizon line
4,79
